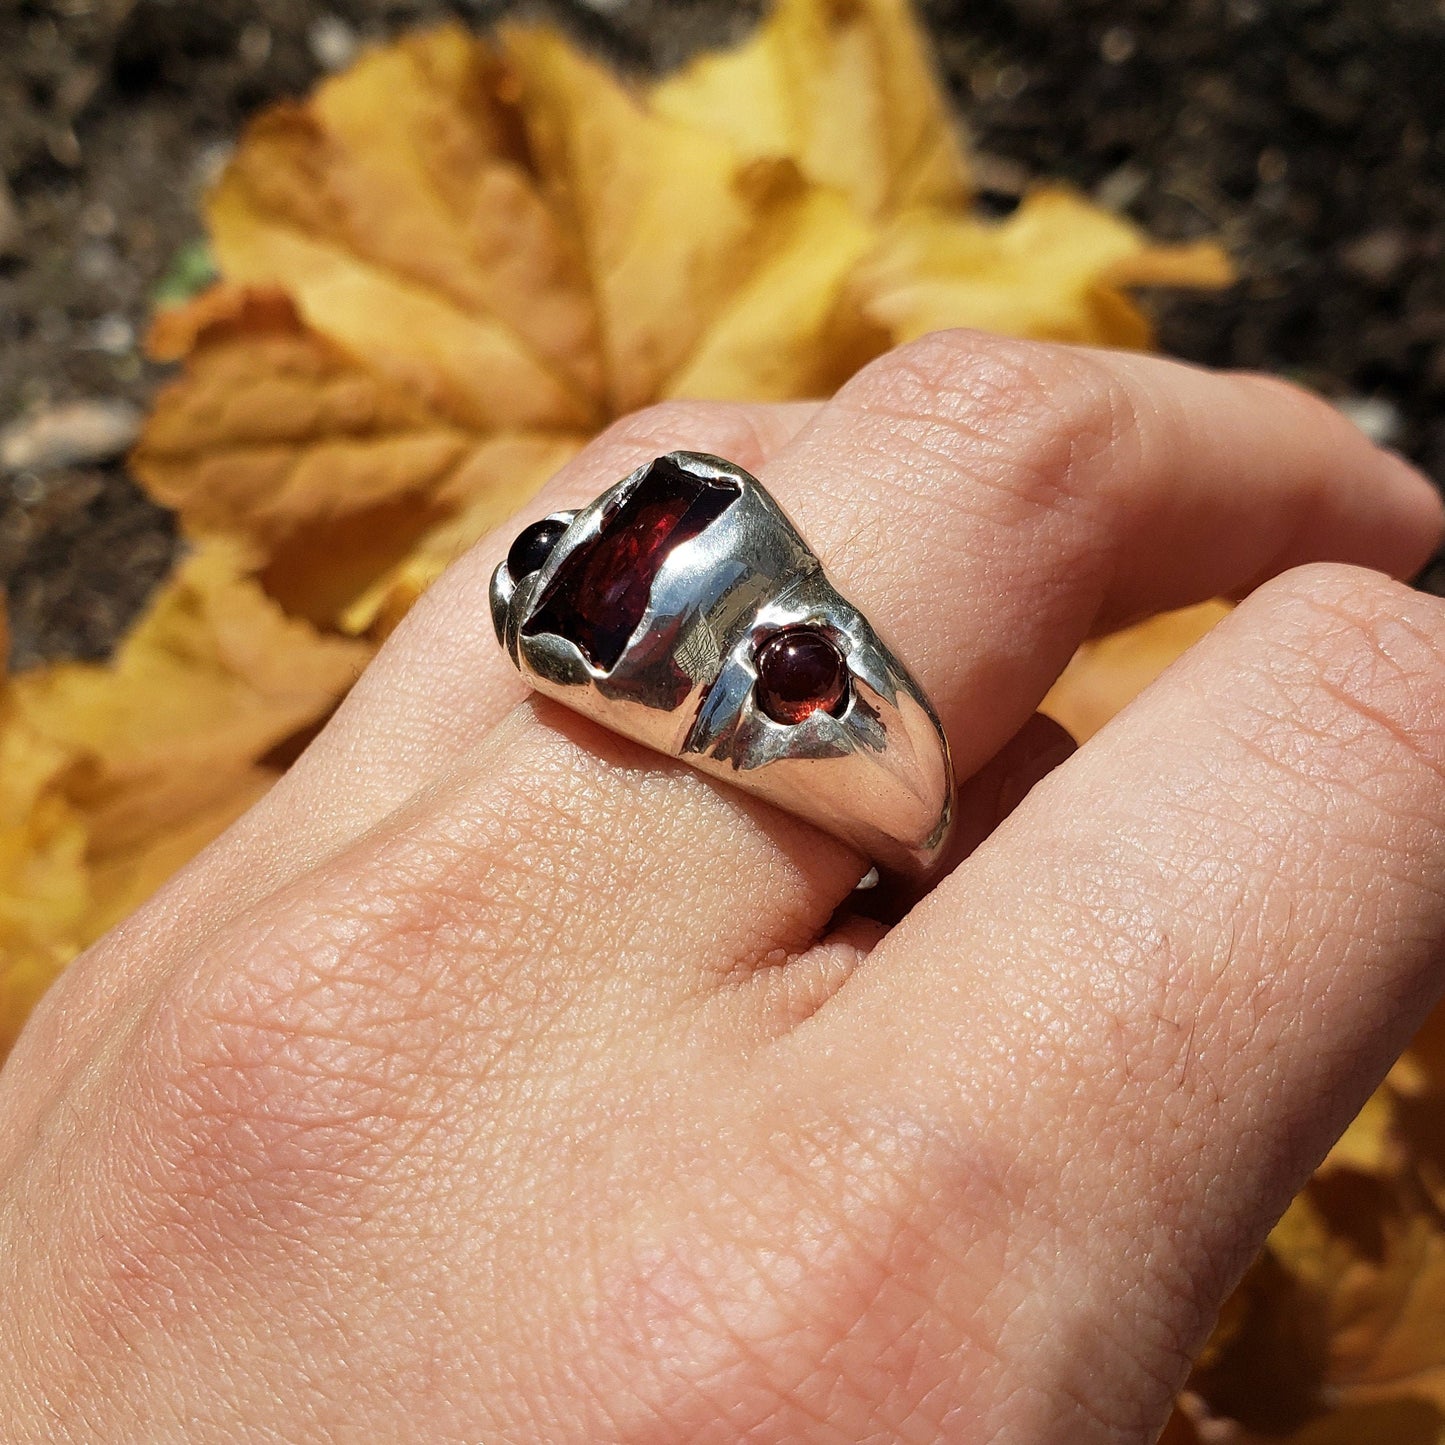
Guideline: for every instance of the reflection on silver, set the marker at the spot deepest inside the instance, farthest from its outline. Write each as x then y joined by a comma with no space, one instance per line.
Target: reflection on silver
876,774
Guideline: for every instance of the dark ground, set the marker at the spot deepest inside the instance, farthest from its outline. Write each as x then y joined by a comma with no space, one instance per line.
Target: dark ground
1308,134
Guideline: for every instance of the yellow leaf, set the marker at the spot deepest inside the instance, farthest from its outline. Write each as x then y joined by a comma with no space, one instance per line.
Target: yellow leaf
489,485
1342,1313
1389,1339
45,885
1393,1422
1369,1144
1316,1254
273,428
330,474
783,334
1428,1047
673,220
122,878
397,208
843,88
212,679
60,890
1109,672
1053,270
1416,1088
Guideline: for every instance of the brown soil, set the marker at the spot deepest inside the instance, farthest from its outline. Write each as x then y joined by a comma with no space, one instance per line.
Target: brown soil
1308,134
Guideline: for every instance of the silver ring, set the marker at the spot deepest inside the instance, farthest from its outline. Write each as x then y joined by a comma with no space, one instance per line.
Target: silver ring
683,610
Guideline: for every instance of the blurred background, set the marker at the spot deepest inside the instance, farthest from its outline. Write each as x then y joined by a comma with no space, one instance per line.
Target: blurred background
1307,135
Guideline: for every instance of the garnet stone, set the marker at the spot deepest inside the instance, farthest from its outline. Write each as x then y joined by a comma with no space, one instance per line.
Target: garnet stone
599,594
533,546
800,671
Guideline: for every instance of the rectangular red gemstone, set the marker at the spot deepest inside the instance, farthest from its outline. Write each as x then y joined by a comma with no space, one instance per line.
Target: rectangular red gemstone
599,594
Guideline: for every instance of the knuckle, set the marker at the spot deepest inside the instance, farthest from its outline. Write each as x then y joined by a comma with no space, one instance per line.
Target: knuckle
1031,423
1359,654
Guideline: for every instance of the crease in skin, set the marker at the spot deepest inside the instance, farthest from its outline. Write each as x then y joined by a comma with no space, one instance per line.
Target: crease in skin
771,996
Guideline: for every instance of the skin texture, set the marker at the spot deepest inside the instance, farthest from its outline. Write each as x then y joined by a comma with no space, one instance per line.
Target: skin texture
454,1096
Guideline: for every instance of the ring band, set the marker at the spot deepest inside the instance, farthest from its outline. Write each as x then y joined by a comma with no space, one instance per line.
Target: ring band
683,610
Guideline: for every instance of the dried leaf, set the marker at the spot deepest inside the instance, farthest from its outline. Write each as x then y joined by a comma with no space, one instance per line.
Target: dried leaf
330,474
45,886
59,889
1428,1048
1342,1315
1179,1431
784,333
397,209
274,427
1110,672
486,487
673,219
1393,1422
1389,1335
843,88
1054,270
122,878
1379,1268
213,678
1370,1145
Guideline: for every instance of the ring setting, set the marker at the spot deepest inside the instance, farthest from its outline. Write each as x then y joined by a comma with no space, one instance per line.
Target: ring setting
683,610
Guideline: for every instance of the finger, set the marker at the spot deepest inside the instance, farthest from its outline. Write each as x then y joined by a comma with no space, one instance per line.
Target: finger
1048,490
1129,1026
986,502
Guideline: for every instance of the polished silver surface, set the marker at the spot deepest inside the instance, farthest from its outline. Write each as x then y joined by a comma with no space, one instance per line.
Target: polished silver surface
877,774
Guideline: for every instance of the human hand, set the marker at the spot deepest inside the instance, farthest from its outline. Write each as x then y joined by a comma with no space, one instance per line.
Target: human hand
497,1080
